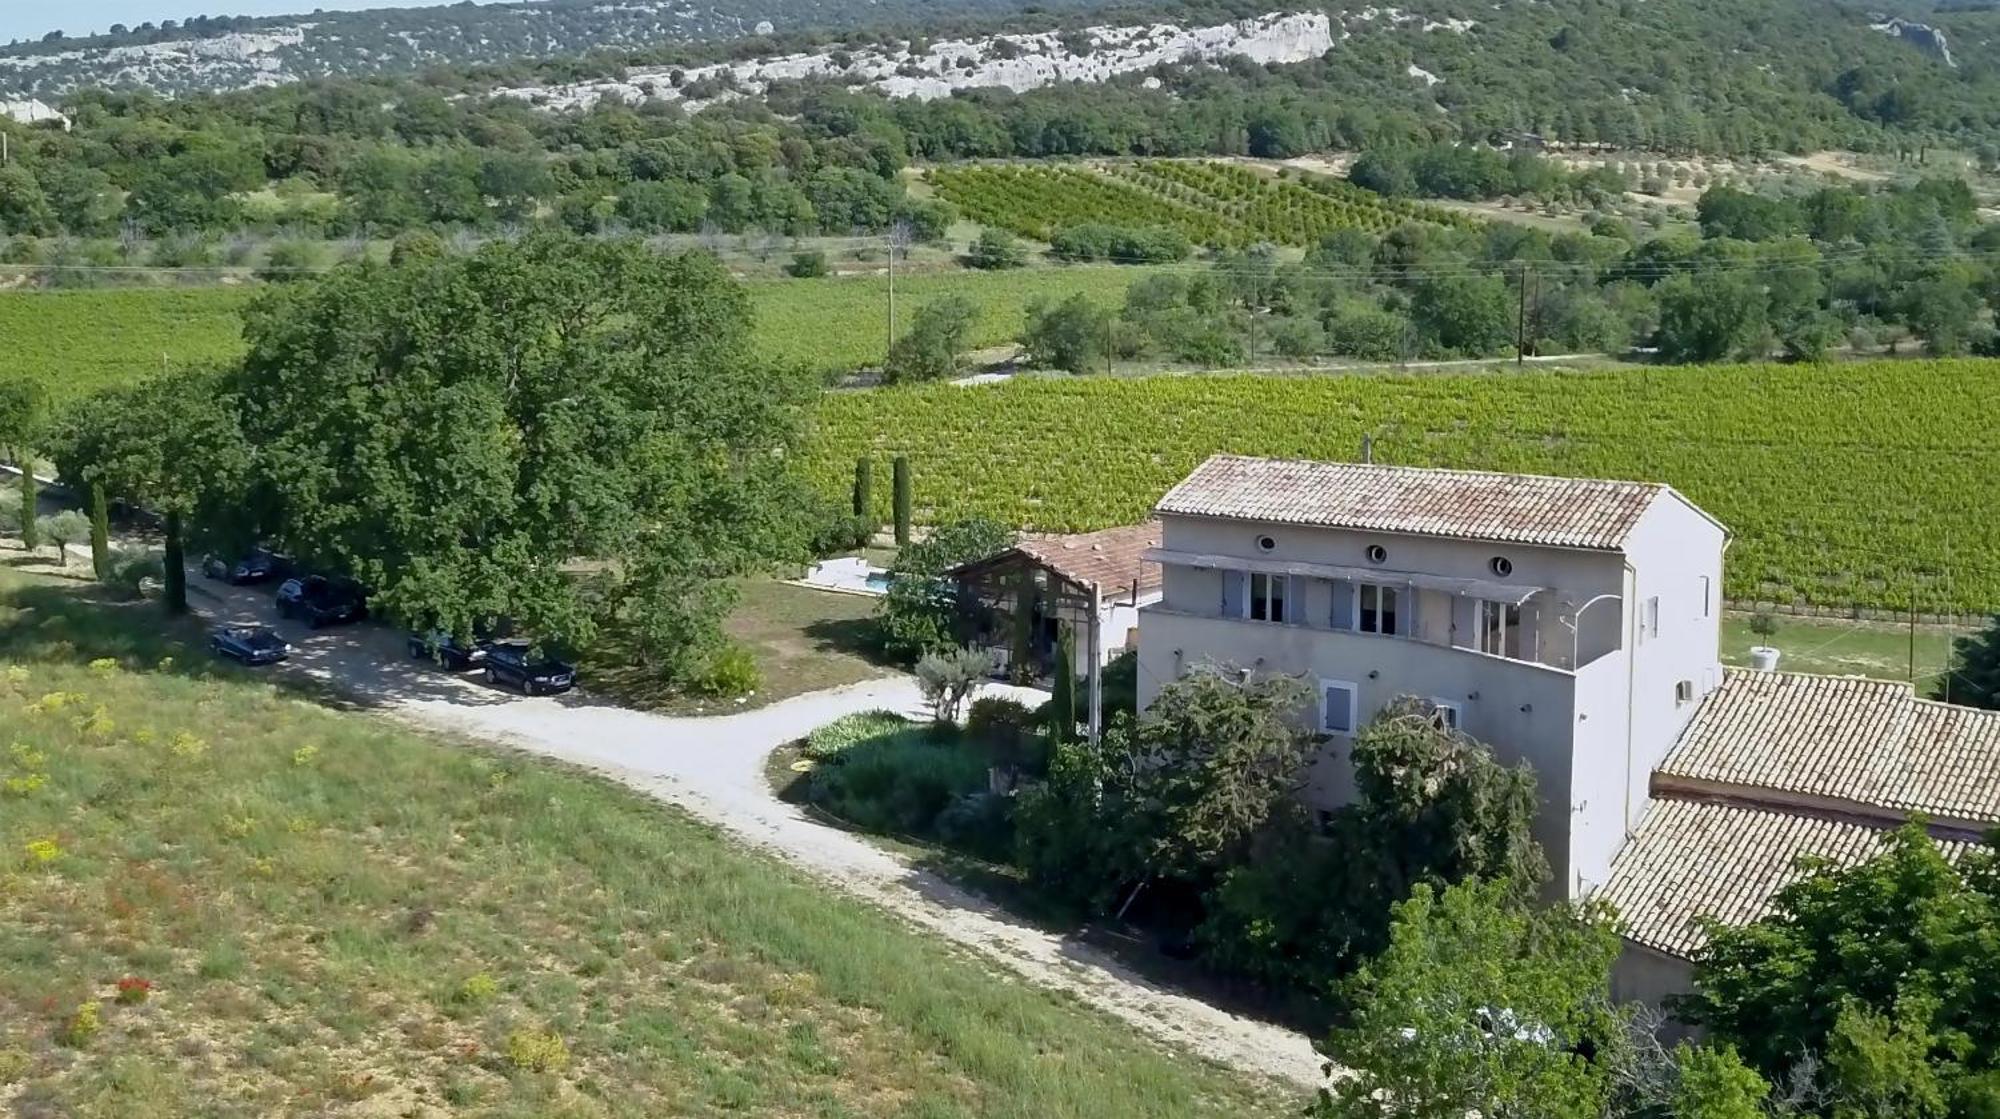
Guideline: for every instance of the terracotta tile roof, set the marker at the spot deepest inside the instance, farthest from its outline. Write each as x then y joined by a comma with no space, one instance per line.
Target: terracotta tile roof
1868,748
1515,508
1692,859
1110,559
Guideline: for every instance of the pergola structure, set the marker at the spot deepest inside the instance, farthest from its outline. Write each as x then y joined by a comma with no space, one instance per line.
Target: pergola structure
1016,600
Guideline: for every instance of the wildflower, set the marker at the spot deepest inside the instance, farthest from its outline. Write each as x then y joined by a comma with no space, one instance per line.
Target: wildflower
133,990
185,745
103,666
537,1050
43,850
81,1027
166,664
97,724
298,825
27,757
24,784
304,755
17,674
236,827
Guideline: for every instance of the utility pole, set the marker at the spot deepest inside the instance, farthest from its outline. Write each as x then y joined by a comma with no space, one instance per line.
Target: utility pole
1521,318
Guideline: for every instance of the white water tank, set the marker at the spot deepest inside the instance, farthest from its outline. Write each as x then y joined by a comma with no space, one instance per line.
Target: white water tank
1763,658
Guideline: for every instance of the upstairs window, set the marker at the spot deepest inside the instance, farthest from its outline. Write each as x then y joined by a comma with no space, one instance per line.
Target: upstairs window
1377,609
1499,628
1267,597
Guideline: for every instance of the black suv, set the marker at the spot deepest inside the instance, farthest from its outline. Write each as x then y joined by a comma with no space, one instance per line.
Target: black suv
319,601
256,566
455,655
516,666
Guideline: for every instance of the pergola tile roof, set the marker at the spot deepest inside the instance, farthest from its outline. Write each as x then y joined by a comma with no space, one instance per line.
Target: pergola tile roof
1695,859
1464,504
1869,747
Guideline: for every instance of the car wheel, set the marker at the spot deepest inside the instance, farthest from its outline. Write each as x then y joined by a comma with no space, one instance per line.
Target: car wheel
491,679
529,687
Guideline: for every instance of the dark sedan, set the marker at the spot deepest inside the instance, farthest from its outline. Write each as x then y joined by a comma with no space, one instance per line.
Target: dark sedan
257,566
516,666
319,601
451,652
249,644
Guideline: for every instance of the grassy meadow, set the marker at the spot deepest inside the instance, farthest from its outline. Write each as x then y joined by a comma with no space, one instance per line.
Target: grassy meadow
76,341
218,898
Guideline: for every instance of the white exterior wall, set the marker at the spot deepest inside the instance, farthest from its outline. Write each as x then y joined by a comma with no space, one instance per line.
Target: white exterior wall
1594,734
1524,711
1121,622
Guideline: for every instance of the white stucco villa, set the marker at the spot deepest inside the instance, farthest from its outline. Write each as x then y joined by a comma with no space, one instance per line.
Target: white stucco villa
1573,624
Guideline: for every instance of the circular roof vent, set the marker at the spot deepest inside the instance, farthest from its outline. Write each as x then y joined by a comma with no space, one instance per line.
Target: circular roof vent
1266,544
1501,566
1377,553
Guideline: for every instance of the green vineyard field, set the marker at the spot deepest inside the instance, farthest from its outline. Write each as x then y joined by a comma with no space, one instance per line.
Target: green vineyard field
76,341
1215,204
1848,485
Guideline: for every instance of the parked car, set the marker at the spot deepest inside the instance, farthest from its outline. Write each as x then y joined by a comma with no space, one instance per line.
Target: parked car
516,666
456,655
320,601
249,644
255,566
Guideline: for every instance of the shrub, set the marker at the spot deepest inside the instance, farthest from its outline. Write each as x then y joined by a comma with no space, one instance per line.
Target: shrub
731,671
1764,624
807,265
996,249
979,823
537,1051
133,990
949,676
82,1027
837,531
900,781
833,738
131,569
477,990
60,530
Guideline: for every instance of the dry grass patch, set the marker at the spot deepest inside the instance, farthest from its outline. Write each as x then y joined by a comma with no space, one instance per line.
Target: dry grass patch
336,916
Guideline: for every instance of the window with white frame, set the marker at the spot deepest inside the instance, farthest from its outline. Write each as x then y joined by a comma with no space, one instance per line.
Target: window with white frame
1377,609
1267,597
1499,628
1337,699
1446,713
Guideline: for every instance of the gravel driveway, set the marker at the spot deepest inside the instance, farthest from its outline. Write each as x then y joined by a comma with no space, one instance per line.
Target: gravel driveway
713,767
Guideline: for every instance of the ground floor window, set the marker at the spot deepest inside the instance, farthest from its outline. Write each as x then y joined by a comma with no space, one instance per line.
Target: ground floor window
1336,706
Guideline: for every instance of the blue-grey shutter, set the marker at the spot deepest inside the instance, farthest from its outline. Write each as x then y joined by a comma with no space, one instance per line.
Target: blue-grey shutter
1465,622
1234,590
1342,616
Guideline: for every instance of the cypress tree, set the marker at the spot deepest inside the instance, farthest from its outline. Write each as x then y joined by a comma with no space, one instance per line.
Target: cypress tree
864,488
176,565
30,537
100,532
1062,699
902,495
1024,626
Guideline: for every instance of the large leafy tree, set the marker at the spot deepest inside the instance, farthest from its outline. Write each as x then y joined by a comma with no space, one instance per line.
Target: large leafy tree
1433,806
1974,678
920,612
1481,1005
1868,966
554,431
170,444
